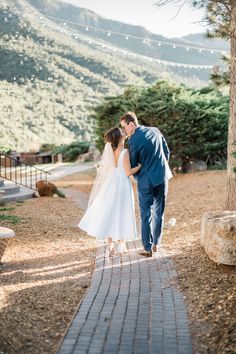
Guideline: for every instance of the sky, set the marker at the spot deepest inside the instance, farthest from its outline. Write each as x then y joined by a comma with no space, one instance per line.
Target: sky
142,12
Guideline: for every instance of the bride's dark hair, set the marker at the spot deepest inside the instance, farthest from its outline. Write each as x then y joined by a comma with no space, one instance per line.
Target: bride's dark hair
113,136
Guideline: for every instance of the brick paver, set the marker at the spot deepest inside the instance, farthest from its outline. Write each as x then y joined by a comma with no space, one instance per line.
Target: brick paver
132,306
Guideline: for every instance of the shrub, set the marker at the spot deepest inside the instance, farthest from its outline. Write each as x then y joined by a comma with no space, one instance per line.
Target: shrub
194,122
72,151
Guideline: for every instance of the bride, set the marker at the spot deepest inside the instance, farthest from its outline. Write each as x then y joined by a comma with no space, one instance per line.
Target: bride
110,213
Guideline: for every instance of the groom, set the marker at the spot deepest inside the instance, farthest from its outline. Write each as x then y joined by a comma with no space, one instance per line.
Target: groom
148,147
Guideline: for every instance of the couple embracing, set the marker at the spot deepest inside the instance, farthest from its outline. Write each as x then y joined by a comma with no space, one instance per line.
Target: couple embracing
111,213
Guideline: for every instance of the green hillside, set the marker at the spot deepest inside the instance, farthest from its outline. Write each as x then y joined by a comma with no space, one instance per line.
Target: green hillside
49,80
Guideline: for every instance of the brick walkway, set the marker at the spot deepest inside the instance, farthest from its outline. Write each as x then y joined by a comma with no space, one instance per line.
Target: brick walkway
132,306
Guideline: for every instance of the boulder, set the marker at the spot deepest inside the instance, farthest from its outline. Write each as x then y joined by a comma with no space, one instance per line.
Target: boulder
196,166
46,189
5,233
92,155
218,236
88,156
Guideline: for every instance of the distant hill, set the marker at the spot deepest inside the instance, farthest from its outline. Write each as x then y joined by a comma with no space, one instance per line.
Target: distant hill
49,80
86,17
200,39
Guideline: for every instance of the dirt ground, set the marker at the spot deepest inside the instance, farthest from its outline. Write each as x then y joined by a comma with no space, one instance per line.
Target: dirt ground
46,271
48,267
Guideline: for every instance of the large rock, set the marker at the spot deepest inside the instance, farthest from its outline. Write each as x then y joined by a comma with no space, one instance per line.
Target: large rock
5,233
196,166
46,189
218,236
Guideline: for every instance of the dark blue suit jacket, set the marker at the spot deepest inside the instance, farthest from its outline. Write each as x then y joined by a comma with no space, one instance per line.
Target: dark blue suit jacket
148,147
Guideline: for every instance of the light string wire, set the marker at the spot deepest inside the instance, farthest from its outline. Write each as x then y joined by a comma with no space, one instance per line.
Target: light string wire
66,30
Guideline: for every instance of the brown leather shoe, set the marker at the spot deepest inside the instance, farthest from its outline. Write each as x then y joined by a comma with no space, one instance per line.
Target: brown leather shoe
145,253
154,248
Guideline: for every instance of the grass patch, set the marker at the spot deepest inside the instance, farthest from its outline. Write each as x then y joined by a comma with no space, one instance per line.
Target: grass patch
6,209
12,219
20,201
222,166
60,193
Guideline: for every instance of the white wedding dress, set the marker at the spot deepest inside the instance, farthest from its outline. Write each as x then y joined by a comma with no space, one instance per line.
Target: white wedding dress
112,212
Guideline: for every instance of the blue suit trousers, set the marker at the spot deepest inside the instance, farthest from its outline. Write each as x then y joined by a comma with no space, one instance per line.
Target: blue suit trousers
152,205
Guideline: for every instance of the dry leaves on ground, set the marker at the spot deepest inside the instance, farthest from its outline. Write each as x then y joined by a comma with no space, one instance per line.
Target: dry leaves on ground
47,269
209,289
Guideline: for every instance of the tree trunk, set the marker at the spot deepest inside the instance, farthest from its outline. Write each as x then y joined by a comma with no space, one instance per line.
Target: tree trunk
231,164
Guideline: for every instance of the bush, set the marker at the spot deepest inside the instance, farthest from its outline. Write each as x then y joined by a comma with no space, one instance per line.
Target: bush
5,150
72,151
194,122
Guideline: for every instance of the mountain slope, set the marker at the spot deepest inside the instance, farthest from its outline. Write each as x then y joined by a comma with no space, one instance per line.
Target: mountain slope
49,80
81,16
202,40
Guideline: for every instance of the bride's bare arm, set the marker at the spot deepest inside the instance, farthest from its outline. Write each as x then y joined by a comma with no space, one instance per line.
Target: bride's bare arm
128,170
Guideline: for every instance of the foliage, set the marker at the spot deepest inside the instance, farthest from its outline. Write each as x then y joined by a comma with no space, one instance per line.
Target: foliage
60,193
13,219
194,122
6,209
47,147
72,151
5,150
219,19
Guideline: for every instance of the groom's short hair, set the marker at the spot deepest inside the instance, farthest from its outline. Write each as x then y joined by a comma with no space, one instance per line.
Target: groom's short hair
129,117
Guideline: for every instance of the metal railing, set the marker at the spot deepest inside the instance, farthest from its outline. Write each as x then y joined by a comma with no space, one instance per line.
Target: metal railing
20,172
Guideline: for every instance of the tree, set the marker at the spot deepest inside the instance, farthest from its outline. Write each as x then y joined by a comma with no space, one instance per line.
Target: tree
221,17
194,122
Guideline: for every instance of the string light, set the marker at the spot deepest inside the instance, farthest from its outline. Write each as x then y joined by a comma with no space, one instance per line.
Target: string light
159,42
159,61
